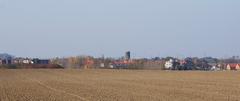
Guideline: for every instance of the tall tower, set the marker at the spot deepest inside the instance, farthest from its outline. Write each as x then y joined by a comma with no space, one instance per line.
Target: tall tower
128,55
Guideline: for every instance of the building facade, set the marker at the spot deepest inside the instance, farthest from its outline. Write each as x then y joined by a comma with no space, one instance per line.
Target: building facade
233,66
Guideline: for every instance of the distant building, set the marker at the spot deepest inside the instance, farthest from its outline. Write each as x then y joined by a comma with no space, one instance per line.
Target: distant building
6,61
40,61
215,67
27,61
119,64
22,61
102,65
233,66
128,55
18,60
89,63
169,64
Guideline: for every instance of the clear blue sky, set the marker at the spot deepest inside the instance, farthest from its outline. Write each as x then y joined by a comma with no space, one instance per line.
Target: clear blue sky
148,28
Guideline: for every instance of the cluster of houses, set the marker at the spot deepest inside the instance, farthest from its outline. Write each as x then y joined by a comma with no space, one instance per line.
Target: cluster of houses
30,61
233,66
120,64
206,63
6,59
86,62
123,63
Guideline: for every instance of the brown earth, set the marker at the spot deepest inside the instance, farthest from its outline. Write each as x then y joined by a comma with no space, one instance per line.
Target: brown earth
118,85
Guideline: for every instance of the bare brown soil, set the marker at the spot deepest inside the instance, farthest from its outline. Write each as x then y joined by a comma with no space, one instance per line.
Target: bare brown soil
118,85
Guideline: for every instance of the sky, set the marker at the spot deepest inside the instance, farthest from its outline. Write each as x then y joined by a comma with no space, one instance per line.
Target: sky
147,28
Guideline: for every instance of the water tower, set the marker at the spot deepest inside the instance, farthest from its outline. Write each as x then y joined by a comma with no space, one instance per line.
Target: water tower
128,55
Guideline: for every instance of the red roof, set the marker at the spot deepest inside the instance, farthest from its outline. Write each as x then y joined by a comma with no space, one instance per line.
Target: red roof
233,65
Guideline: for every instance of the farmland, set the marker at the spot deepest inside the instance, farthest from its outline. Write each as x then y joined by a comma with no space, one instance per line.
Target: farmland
118,85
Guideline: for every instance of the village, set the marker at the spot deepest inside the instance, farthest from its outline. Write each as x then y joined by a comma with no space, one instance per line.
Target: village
125,62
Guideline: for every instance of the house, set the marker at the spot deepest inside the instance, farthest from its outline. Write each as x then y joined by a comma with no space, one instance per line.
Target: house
121,64
6,61
27,61
22,61
40,61
169,64
102,65
18,60
214,66
233,66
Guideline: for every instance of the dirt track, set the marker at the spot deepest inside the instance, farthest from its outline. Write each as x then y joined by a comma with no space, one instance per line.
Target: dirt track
118,85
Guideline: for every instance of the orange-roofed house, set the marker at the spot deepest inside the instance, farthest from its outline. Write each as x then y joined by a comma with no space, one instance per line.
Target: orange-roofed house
233,66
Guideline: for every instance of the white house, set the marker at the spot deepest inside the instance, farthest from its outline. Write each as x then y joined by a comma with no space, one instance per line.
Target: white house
27,61
169,64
